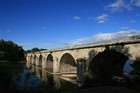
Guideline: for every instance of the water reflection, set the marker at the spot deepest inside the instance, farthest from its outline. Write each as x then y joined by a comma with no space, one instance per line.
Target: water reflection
57,82
25,81
44,76
53,81
34,79
38,72
33,69
127,67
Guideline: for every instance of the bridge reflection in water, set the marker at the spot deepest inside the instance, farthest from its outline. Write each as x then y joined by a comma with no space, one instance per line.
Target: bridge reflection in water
54,82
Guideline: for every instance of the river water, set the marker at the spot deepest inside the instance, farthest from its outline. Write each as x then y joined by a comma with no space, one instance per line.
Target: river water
34,79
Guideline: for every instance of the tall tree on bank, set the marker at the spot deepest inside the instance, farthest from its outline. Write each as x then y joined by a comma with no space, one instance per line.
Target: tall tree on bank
10,51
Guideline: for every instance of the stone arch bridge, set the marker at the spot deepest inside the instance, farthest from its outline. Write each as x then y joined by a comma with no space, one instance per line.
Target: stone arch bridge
65,60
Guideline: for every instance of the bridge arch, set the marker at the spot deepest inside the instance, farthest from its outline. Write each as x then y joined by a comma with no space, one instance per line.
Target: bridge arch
49,62
31,59
40,60
34,59
67,64
121,49
107,64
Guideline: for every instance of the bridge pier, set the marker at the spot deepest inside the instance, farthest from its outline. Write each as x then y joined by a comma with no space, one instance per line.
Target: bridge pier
43,63
81,70
55,65
37,63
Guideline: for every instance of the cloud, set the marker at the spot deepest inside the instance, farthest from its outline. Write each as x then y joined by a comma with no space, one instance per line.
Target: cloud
95,38
52,45
102,18
104,36
119,5
132,21
76,17
124,28
136,2
137,14
34,44
8,30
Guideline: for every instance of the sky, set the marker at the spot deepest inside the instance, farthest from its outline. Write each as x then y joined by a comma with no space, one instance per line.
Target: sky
54,24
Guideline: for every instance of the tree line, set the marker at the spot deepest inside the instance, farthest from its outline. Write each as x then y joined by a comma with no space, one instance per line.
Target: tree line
10,51
35,49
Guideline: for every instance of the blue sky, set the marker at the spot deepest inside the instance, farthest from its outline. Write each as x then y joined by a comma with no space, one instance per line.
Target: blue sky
58,23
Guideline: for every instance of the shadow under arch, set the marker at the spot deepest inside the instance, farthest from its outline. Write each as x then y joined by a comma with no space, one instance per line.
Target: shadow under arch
35,59
91,55
40,60
49,63
67,64
31,58
106,65
122,49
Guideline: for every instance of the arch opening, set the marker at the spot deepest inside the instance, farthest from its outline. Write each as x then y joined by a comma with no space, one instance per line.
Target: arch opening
127,67
67,64
40,60
106,65
49,63
31,58
34,60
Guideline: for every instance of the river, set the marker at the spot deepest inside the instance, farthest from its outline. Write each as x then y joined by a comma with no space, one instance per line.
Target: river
36,80
24,78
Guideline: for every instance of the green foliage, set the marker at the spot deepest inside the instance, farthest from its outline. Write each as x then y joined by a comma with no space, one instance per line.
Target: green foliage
122,49
10,51
136,64
35,49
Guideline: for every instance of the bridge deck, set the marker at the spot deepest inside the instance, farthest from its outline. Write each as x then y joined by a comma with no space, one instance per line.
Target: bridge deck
123,41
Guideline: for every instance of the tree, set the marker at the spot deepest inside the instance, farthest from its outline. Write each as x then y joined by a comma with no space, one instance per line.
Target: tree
136,64
10,51
35,49
122,49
